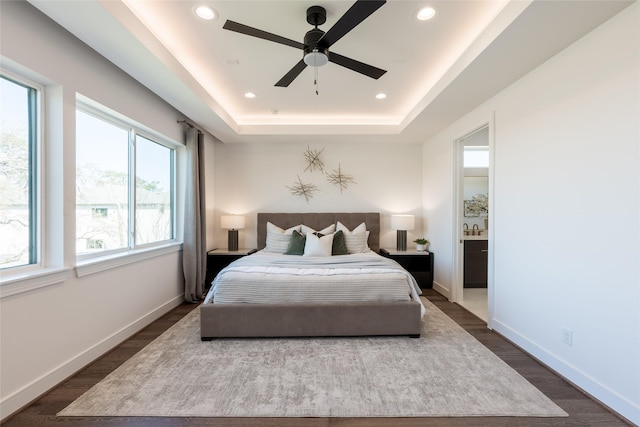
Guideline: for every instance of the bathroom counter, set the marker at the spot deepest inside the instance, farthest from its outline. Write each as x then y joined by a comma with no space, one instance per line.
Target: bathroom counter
483,236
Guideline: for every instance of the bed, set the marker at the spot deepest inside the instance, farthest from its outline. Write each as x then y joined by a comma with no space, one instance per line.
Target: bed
257,296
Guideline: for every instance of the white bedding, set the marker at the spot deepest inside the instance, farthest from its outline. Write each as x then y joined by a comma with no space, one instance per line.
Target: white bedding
268,278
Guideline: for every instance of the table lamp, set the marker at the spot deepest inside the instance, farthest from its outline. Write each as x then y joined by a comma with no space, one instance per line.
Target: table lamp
233,223
402,223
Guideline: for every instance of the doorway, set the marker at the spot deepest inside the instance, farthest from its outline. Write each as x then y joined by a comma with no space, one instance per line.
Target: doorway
471,284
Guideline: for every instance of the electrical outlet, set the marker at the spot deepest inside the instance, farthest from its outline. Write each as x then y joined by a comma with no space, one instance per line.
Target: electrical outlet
567,337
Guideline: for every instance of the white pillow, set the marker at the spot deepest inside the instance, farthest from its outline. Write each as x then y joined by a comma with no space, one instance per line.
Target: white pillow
318,246
327,230
362,227
278,239
355,240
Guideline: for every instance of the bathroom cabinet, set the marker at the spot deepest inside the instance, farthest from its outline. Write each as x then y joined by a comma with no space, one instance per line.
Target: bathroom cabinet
475,263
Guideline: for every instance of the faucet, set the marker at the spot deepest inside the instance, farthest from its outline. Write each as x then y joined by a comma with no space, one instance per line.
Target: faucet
475,228
465,229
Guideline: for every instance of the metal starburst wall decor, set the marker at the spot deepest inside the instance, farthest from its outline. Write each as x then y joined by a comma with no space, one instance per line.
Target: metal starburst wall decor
314,162
340,179
301,189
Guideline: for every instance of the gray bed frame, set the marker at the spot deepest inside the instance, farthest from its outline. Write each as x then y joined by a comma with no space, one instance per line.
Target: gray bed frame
304,320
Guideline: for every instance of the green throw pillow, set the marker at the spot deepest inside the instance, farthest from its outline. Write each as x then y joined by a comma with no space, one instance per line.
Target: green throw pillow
296,244
339,247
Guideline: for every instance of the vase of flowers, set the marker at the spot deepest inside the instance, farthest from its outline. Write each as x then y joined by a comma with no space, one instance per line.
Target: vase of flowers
421,244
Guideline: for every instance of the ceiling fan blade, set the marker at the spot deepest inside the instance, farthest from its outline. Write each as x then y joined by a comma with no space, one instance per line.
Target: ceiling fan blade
357,66
254,32
292,74
360,11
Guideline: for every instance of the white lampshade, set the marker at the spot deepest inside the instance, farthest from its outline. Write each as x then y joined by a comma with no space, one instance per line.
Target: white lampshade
403,222
232,222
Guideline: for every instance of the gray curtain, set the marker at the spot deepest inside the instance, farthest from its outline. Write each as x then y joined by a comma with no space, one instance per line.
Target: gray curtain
194,254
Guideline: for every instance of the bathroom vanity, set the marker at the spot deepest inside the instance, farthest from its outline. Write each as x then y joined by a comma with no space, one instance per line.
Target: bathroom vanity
475,261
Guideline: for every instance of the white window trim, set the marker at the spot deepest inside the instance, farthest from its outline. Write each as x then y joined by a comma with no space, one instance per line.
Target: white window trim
29,279
14,284
97,264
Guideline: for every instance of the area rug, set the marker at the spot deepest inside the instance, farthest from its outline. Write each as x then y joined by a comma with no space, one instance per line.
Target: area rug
446,372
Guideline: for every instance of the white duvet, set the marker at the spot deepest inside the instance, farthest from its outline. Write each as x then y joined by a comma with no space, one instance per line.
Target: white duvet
279,279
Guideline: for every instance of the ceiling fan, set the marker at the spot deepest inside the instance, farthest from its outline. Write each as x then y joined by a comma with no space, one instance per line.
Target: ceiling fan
317,43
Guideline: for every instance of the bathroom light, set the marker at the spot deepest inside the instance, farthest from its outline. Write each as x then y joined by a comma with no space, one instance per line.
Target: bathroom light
381,96
250,95
426,13
205,12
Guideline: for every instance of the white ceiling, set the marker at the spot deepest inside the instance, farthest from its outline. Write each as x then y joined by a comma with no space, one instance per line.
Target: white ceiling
436,70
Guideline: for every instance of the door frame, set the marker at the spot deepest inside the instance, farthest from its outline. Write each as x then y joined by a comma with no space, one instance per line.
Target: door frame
457,285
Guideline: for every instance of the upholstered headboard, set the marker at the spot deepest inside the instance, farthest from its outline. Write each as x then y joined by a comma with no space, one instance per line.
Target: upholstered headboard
318,221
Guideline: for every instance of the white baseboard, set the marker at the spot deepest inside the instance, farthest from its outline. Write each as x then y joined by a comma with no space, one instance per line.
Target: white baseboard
37,388
441,290
619,404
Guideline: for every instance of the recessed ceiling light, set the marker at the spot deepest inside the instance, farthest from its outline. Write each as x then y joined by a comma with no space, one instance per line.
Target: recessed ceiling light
426,13
249,95
381,96
205,12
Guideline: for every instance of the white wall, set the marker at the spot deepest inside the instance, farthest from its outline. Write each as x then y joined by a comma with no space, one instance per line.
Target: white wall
49,333
251,178
566,230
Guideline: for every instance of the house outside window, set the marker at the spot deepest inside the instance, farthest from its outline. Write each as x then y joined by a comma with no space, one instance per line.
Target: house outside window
99,212
124,186
19,173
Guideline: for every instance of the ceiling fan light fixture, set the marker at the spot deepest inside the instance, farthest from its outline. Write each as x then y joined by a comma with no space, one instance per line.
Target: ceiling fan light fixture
316,57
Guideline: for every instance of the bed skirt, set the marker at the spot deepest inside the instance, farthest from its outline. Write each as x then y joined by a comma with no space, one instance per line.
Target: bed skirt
305,320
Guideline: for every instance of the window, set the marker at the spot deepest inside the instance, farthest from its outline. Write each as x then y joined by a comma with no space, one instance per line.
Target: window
124,186
476,156
154,191
19,128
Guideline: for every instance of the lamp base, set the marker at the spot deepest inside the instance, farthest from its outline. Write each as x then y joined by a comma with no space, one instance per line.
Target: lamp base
233,240
401,240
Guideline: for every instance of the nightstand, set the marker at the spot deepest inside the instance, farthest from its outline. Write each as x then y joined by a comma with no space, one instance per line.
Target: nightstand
419,264
217,259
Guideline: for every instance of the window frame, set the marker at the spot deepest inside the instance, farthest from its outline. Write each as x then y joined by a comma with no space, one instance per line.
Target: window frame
35,132
109,257
173,163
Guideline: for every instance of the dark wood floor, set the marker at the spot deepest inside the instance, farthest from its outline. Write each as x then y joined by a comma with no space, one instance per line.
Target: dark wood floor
582,410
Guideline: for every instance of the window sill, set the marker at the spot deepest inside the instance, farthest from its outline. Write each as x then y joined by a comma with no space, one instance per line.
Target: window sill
98,264
34,279
14,284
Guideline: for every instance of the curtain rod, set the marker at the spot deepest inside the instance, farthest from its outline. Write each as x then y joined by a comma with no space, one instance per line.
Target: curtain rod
191,125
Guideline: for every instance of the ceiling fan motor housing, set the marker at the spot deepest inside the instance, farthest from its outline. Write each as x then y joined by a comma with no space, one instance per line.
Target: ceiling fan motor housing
314,55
